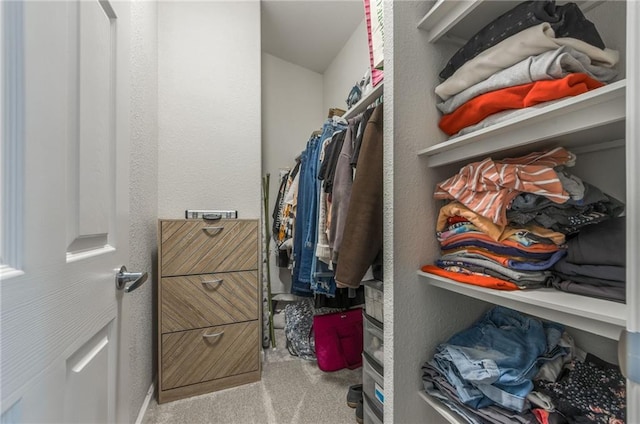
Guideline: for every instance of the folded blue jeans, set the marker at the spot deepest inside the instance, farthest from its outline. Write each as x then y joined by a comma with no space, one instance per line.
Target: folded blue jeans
495,359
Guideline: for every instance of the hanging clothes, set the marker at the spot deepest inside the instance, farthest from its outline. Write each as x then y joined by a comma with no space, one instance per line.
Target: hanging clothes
287,213
343,183
305,270
322,276
316,210
362,239
298,286
277,215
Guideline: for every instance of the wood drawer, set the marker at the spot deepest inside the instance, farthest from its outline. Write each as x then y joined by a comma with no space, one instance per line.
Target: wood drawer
200,247
189,358
187,302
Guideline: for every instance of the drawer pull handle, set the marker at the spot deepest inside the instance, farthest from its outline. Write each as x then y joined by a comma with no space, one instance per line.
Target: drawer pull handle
213,229
211,337
209,284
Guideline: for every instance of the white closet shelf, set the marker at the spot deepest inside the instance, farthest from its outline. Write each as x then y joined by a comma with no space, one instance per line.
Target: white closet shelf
590,118
597,316
365,101
454,20
449,415
443,18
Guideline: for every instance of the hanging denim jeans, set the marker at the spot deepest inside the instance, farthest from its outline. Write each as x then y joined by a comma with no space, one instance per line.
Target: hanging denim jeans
299,287
312,190
306,217
323,281
322,278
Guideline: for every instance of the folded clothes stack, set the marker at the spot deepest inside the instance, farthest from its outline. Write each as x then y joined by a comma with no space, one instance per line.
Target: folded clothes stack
534,54
511,368
518,224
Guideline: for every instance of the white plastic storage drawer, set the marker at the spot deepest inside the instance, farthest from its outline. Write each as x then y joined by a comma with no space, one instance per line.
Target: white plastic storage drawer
369,413
373,298
373,381
374,339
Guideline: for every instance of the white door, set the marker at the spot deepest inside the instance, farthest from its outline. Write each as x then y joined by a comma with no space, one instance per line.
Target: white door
64,210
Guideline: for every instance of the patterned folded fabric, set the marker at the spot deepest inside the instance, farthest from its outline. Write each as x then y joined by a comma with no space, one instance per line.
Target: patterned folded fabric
489,186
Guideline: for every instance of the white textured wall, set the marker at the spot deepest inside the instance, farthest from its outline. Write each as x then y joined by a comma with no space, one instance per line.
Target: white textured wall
209,107
417,316
291,110
348,67
143,199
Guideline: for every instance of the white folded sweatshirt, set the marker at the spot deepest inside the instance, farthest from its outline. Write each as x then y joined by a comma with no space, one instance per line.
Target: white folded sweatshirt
529,42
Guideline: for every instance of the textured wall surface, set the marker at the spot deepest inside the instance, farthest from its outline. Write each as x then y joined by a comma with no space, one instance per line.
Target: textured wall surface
388,216
209,107
143,199
348,67
418,314
291,110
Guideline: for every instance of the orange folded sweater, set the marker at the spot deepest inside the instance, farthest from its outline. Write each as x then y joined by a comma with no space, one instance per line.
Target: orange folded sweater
475,280
516,97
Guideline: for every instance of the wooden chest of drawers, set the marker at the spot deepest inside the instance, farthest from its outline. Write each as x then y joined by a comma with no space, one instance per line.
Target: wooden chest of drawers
208,306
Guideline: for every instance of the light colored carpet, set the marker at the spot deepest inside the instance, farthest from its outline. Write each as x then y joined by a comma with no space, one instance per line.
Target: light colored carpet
292,391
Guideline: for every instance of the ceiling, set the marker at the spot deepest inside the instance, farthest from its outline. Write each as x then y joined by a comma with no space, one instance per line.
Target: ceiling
309,33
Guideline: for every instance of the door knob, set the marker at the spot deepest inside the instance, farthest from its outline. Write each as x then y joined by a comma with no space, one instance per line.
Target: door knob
629,355
135,278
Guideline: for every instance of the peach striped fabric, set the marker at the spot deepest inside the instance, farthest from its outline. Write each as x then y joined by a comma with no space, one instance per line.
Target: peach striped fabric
489,186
